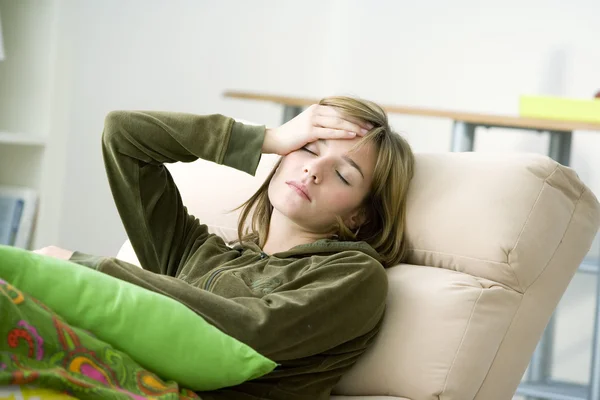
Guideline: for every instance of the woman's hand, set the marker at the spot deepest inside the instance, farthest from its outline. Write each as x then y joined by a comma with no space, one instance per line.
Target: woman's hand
55,252
314,123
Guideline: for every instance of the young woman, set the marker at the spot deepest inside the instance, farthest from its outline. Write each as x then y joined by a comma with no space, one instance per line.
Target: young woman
305,285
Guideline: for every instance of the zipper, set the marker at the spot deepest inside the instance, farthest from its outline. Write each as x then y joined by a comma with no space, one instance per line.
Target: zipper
218,271
214,274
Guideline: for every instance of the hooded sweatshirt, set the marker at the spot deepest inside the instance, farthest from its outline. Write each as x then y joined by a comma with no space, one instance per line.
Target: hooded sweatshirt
313,309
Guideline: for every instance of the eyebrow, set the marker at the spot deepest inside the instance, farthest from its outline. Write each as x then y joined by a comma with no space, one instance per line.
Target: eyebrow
347,159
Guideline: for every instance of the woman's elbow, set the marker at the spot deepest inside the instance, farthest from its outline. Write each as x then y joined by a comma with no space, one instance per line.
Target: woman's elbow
114,123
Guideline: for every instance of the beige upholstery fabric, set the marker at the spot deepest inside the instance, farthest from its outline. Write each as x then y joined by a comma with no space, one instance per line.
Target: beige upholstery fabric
494,241
449,324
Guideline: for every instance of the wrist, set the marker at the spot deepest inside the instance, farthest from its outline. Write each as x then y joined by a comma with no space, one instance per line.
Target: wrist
267,147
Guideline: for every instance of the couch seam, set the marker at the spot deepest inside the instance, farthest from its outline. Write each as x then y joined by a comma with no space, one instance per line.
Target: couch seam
457,255
562,237
533,282
461,343
476,259
544,184
500,345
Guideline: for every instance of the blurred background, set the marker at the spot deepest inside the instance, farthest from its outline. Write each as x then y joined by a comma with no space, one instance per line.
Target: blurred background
69,62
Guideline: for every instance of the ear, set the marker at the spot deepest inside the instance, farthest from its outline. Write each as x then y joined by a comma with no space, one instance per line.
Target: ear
356,219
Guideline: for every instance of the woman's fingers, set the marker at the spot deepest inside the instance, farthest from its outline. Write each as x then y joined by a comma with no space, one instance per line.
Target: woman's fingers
329,133
327,111
338,123
55,252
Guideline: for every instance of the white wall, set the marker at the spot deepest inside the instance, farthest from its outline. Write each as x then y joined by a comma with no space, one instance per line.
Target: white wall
25,84
175,56
181,55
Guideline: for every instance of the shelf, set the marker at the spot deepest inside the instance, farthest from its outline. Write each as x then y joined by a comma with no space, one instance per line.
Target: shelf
22,139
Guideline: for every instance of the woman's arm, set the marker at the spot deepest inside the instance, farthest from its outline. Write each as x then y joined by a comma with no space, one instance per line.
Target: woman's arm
329,305
135,146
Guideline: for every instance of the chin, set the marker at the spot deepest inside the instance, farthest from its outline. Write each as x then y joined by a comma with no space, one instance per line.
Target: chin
289,204
301,217
290,209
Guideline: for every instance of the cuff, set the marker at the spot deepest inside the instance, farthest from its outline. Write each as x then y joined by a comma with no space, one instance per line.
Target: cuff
245,147
87,260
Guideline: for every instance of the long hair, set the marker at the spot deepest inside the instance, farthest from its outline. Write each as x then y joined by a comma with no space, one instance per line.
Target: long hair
384,205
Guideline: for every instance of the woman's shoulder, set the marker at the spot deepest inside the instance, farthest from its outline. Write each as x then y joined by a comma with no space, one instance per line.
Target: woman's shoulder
357,260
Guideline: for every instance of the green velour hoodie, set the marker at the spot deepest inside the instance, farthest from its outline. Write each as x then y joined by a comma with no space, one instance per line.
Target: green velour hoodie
313,309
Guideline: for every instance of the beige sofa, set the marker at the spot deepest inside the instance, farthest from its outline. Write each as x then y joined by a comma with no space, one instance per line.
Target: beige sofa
494,241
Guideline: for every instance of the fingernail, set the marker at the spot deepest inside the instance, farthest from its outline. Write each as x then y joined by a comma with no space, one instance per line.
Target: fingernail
364,131
370,126
351,134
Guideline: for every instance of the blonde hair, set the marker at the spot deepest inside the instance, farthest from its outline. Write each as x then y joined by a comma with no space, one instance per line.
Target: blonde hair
384,205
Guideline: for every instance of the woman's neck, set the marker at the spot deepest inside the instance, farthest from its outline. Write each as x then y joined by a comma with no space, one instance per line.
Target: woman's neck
285,234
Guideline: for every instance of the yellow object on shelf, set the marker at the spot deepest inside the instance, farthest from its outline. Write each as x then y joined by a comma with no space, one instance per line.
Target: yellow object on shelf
560,108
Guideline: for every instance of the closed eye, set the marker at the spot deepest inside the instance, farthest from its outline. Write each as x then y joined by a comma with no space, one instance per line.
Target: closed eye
336,171
342,178
311,152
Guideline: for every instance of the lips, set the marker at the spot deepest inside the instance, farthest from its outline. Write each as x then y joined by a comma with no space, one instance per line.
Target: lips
299,188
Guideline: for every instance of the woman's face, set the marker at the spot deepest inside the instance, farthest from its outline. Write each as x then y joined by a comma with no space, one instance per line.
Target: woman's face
324,179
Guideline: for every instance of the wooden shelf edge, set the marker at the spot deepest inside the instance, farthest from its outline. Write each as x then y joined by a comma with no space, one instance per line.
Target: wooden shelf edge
468,117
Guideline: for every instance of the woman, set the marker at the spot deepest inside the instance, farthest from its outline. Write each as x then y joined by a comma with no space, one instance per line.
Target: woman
305,286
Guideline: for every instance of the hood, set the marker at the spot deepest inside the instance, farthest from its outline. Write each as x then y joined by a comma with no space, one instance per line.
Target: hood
322,246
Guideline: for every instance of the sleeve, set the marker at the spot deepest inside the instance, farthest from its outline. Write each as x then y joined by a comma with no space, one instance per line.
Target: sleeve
135,145
87,260
332,304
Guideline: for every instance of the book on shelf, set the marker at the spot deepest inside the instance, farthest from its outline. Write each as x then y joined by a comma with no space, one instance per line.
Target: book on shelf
18,206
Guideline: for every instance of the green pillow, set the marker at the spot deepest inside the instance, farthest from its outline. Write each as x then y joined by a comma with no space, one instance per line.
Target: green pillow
159,333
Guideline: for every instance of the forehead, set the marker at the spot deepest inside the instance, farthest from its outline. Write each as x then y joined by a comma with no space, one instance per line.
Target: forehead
348,147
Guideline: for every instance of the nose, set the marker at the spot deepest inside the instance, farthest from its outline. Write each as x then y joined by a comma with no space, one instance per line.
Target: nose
311,172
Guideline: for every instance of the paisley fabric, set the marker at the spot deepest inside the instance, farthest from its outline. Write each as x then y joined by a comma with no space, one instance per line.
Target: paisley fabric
31,393
40,351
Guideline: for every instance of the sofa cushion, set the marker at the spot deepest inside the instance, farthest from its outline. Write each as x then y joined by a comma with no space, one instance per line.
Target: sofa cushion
499,217
437,335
